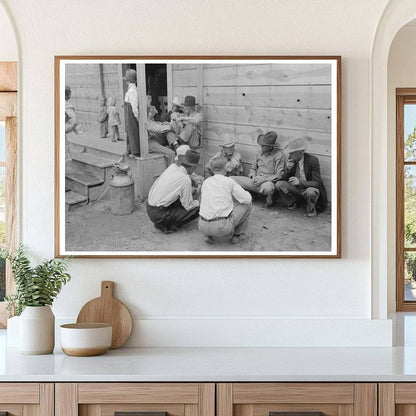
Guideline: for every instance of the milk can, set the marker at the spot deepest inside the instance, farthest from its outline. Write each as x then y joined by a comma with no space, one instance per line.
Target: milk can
122,191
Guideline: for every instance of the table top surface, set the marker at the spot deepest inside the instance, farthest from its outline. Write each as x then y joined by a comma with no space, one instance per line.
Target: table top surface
212,365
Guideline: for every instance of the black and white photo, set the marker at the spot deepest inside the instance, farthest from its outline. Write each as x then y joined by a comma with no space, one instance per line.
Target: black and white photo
184,157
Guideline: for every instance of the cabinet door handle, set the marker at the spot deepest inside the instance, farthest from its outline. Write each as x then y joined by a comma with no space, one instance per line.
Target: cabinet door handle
138,414
296,414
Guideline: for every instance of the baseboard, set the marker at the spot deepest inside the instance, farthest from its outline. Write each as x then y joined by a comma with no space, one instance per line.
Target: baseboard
249,332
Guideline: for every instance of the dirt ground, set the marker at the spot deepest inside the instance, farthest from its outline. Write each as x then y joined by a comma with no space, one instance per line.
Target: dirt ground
94,228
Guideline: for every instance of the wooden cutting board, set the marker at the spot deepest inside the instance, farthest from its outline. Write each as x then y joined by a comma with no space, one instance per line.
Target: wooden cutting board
107,309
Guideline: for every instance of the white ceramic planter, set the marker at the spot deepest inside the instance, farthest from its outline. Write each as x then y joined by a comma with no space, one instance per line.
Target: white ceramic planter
37,330
13,331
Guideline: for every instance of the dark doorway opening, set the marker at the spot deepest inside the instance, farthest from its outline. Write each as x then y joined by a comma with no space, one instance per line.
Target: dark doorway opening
157,87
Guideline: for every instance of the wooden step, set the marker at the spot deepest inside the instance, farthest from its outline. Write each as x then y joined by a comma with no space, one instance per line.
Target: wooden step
73,200
81,183
92,144
93,160
84,179
92,164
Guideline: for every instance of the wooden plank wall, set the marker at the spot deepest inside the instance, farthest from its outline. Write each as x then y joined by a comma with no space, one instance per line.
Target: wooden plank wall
246,100
84,80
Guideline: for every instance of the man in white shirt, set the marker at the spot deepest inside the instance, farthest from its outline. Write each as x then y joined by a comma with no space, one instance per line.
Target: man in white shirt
170,204
132,114
225,206
195,178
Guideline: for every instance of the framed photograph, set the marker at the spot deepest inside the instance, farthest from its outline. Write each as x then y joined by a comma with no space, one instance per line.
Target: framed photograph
198,156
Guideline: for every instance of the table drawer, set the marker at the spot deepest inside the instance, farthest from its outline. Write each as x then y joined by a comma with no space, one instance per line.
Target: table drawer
145,399
296,399
397,399
23,399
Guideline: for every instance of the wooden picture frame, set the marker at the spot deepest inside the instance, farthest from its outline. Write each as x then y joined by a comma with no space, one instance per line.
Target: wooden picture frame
326,70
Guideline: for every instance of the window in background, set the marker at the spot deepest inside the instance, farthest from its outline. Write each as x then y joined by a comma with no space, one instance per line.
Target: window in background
8,175
406,200
2,206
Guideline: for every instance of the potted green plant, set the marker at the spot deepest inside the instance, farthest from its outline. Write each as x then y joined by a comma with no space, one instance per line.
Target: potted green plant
36,289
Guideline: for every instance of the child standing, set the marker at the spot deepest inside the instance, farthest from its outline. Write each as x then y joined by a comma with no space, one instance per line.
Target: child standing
113,119
103,118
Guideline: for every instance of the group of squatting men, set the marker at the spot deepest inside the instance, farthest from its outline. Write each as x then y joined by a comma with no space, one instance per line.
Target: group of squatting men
223,202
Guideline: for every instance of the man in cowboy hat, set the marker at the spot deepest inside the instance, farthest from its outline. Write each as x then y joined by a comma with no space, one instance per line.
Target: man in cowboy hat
225,206
170,204
302,181
233,165
132,114
191,132
176,125
195,178
268,168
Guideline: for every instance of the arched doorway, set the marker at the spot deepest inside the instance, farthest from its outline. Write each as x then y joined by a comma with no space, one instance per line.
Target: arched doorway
396,14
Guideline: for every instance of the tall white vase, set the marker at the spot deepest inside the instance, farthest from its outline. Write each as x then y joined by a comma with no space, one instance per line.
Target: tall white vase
37,330
13,332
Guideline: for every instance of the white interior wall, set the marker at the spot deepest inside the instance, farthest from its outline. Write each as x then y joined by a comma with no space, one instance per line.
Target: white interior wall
401,74
8,46
181,301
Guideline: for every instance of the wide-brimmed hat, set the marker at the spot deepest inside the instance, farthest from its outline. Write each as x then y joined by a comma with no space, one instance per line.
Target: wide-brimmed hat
228,140
190,158
181,150
218,164
268,139
189,101
177,101
295,145
131,75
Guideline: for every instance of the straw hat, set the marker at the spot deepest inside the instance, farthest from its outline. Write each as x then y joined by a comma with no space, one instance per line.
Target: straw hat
177,101
181,150
295,145
228,140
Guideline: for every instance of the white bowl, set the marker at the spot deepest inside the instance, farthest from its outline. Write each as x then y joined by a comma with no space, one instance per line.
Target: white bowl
83,340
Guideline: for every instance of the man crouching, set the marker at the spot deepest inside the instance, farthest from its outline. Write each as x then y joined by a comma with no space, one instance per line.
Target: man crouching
225,206
170,204
302,181
268,168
